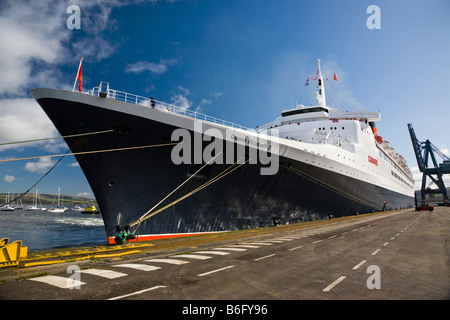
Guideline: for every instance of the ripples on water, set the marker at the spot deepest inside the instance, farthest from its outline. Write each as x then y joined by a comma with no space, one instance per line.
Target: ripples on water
40,230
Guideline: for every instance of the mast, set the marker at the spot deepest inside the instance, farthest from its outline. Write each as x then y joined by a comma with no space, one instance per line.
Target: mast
320,95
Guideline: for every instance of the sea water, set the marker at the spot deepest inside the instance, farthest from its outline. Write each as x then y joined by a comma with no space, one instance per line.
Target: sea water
41,230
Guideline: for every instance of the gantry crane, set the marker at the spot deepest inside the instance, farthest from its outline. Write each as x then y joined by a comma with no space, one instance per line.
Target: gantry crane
433,172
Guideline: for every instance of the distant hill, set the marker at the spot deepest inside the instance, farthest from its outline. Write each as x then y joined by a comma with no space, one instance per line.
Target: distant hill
50,199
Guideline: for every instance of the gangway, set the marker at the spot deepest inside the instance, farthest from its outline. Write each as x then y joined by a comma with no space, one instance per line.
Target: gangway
424,151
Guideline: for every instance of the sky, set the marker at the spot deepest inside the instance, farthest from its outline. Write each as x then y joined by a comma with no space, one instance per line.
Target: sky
243,61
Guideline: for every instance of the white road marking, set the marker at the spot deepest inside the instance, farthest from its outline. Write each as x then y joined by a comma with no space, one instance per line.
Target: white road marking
284,239
109,274
169,261
270,255
245,246
359,264
231,249
375,252
333,284
296,248
138,266
213,271
259,243
220,253
136,293
331,237
192,256
275,241
317,241
385,244
60,282
392,238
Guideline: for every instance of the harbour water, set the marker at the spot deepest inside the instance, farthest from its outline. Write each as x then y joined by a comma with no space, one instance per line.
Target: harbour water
42,230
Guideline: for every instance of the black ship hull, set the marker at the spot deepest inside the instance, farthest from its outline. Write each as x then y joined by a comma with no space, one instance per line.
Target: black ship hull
129,182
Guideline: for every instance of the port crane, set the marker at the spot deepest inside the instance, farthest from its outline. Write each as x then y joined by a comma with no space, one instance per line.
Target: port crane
424,151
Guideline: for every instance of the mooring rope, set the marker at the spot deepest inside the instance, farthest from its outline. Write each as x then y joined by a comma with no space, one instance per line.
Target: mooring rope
138,222
90,152
206,184
54,138
53,167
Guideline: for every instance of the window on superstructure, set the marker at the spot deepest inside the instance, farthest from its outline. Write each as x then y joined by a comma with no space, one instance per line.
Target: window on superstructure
299,111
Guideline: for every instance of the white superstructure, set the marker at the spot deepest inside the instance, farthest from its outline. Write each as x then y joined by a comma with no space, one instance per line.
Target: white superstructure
345,142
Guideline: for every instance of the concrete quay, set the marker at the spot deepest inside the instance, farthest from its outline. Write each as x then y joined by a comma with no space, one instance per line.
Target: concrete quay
396,255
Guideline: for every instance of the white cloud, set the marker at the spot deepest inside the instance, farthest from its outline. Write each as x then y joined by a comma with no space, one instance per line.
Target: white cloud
30,32
74,165
35,42
83,195
181,101
156,68
41,166
9,179
22,119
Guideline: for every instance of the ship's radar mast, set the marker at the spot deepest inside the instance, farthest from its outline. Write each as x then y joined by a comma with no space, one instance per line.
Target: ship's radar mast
320,95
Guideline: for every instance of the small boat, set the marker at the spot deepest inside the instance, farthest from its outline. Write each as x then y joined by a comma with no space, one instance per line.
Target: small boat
34,206
58,208
7,207
90,210
77,208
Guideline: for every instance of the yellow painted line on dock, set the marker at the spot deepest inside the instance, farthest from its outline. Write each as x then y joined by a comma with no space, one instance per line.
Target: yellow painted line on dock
75,252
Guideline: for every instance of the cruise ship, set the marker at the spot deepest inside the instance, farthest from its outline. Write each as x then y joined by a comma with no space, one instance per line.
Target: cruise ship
159,170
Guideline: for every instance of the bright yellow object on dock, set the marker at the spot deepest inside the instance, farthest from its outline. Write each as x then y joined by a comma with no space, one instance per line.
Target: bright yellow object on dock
11,253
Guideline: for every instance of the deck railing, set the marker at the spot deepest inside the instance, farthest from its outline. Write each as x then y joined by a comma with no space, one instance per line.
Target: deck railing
104,91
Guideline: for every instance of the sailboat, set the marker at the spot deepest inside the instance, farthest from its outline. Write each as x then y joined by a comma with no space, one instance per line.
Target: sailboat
58,208
7,207
35,207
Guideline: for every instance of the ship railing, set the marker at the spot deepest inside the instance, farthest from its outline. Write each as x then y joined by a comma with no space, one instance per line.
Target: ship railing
104,91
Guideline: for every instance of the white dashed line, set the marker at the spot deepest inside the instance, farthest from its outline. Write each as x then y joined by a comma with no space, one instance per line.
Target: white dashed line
333,284
317,241
217,270
296,248
270,255
136,293
359,264
375,252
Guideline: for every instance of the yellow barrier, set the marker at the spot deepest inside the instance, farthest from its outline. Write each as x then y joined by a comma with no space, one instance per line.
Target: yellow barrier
11,253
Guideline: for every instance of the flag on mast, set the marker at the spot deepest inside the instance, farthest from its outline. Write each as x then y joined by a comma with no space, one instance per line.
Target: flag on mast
79,77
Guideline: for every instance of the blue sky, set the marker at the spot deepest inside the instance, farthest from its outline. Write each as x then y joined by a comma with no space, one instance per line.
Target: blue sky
242,61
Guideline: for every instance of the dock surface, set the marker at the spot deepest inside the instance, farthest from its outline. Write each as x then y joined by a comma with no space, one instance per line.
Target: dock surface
385,256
